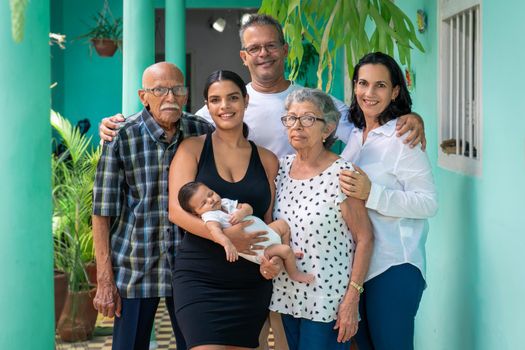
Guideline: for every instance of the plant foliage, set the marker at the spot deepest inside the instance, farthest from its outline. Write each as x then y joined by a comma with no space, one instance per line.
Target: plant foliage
356,26
106,26
72,183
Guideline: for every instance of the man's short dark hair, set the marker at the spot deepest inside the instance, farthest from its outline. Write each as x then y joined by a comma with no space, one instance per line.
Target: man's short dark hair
262,20
186,192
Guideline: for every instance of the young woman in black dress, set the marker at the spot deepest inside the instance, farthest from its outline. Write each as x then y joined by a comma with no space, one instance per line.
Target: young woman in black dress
222,305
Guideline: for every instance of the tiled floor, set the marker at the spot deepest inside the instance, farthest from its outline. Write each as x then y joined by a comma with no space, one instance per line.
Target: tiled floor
163,332
164,335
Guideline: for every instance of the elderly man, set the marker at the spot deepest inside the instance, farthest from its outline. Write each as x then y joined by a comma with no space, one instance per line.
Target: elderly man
134,240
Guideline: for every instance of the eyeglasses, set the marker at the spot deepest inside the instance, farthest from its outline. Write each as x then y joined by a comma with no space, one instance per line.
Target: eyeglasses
163,91
254,50
305,120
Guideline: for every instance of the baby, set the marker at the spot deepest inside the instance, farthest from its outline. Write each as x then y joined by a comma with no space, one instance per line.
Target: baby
198,199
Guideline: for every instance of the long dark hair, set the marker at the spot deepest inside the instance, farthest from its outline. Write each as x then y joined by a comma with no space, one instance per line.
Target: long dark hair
221,75
400,106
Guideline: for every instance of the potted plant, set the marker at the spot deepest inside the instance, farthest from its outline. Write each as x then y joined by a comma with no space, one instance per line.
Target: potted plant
106,34
60,278
73,175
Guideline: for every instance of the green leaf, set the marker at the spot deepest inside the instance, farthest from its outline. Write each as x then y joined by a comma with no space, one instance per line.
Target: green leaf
73,174
292,6
331,25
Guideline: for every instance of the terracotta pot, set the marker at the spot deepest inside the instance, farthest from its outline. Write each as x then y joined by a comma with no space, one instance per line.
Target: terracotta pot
78,318
60,293
105,47
91,270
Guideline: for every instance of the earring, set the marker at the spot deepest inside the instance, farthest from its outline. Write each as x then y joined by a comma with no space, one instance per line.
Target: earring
324,140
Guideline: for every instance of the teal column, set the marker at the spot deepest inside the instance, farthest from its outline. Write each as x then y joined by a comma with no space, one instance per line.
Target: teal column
26,245
138,49
176,33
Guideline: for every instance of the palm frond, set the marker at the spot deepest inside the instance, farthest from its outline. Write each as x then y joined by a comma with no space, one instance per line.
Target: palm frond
73,176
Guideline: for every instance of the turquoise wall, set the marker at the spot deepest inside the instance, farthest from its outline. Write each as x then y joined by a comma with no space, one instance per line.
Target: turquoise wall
89,86
476,285
501,242
57,57
26,251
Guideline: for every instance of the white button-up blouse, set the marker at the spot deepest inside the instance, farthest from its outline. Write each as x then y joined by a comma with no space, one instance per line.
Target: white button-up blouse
401,198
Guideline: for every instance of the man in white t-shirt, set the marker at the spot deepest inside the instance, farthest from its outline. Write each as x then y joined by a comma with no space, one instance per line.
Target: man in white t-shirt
264,52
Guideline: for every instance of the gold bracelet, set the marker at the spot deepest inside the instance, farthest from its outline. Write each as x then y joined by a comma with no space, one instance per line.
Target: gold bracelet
357,286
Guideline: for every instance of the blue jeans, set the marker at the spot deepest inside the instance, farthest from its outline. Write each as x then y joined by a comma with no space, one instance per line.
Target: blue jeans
303,334
388,307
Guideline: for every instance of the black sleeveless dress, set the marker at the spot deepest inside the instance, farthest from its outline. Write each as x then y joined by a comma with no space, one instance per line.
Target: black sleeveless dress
216,301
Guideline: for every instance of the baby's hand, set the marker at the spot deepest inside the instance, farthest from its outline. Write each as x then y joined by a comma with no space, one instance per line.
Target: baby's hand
231,252
298,254
235,218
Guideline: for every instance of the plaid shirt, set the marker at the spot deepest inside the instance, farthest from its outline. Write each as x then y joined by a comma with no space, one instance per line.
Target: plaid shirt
131,185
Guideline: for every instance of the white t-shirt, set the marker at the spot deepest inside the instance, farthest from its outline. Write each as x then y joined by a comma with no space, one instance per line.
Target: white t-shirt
312,209
263,118
402,197
222,217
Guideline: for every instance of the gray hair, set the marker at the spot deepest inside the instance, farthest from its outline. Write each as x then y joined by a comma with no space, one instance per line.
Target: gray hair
262,20
324,102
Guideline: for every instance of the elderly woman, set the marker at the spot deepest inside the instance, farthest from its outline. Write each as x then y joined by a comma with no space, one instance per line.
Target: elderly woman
396,183
332,231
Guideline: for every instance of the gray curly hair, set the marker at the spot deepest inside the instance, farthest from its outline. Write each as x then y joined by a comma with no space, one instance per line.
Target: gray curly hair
325,104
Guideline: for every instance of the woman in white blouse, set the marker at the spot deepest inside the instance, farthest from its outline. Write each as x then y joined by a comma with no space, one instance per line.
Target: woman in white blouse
396,182
322,314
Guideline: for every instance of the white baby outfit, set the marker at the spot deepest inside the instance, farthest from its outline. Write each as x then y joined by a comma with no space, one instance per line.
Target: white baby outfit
223,217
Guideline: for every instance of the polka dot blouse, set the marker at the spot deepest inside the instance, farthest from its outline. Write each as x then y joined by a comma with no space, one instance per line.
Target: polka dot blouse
312,209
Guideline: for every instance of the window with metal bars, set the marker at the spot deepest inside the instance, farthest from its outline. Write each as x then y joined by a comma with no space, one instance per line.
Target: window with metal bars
460,88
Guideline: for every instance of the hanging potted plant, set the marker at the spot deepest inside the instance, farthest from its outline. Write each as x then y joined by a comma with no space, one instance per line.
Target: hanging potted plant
106,34
73,175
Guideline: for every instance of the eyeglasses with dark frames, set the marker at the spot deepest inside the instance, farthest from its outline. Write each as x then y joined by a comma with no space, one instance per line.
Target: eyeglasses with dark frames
305,120
254,50
163,91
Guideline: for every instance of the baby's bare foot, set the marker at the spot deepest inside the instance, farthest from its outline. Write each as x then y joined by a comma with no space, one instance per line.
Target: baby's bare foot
302,277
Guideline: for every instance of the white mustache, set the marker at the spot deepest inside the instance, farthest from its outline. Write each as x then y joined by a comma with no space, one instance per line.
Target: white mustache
170,106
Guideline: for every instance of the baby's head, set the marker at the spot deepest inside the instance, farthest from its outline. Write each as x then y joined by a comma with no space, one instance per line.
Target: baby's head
197,198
